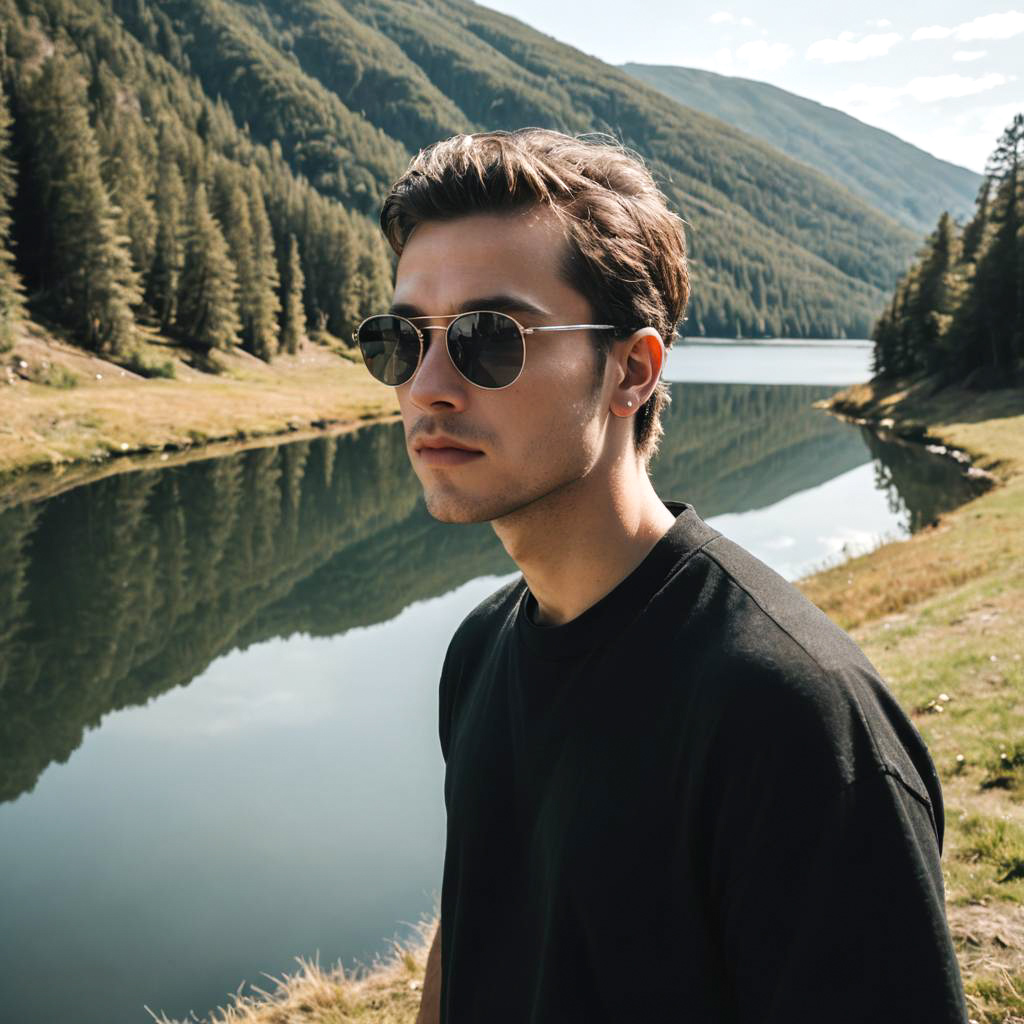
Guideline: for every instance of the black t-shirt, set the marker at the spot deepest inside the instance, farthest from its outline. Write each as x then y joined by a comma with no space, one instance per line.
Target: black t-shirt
697,801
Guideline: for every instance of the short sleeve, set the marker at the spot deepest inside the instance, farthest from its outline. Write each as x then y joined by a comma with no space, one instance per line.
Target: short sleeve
447,690
826,896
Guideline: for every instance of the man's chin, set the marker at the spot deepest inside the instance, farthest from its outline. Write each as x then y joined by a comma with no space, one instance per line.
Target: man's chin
445,510
461,508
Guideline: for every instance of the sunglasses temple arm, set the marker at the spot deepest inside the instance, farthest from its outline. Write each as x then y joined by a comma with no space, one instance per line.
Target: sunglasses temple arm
572,327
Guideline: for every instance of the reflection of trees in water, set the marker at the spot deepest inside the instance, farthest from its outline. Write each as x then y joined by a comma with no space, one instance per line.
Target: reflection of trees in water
919,485
113,593
16,526
736,447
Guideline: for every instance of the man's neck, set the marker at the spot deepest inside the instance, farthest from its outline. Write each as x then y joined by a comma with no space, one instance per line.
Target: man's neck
578,545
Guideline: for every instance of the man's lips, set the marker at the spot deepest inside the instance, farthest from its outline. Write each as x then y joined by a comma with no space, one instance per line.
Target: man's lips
445,451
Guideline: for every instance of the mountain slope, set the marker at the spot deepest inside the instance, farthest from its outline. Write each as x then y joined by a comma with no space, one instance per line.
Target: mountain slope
329,98
903,181
777,247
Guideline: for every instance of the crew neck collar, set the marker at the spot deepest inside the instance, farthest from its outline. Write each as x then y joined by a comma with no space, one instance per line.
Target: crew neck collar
602,620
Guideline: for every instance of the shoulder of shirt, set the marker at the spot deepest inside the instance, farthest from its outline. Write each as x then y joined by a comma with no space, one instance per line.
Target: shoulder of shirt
494,613
791,665
794,621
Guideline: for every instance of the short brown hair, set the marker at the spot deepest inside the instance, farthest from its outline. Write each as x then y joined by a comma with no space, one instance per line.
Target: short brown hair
627,250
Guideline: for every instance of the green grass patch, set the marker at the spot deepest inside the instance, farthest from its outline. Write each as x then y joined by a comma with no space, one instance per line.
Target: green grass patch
995,1000
55,377
996,843
145,364
1006,769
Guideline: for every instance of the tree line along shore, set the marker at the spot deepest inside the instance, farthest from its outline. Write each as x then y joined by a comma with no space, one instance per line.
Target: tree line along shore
958,312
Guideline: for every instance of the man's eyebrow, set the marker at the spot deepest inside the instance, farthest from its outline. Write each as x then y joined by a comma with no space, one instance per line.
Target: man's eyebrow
499,303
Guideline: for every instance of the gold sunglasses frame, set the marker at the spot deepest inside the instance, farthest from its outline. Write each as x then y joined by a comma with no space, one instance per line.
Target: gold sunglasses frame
523,331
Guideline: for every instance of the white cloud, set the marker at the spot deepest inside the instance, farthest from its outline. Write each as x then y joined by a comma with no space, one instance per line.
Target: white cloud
988,26
993,120
846,47
869,102
965,55
756,56
945,87
992,26
759,55
728,18
880,23
931,32
722,62
973,143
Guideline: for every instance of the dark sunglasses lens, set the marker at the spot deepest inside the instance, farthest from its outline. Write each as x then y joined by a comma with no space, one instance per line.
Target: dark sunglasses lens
487,348
390,348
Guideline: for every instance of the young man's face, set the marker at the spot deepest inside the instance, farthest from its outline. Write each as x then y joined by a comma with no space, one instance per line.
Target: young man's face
534,439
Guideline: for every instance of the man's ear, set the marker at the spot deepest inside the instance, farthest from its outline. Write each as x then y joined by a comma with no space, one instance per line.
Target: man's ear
639,361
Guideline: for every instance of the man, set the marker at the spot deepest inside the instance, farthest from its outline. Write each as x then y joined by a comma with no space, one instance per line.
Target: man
675,790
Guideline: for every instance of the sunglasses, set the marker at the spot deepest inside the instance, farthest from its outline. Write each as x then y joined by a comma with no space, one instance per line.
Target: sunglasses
487,348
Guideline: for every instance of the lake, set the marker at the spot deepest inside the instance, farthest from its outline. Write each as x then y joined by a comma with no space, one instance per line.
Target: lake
218,681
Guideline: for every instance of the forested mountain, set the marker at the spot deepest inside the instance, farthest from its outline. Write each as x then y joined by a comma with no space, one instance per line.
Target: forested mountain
212,168
958,313
905,182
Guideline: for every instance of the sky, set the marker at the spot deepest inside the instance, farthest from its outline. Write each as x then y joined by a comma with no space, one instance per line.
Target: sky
947,76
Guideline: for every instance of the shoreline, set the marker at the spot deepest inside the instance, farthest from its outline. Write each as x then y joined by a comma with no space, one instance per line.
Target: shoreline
39,483
113,419
69,416
941,614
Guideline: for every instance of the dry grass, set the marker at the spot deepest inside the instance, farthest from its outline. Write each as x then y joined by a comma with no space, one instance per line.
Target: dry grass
942,616
388,993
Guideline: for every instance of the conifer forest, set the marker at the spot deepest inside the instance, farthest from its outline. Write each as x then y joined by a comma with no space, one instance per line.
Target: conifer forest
212,172
959,311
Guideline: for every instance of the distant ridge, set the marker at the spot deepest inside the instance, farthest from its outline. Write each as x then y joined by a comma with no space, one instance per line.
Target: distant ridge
901,180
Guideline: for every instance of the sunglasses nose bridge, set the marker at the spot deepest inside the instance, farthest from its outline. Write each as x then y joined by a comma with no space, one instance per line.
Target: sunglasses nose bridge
432,383
446,330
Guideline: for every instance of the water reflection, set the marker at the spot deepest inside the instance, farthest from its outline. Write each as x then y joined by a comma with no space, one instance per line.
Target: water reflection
289,798
113,593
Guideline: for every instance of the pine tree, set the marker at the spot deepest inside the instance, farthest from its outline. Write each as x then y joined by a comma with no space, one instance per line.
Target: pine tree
251,247
12,291
96,285
293,330
930,308
207,305
128,177
169,255
232,214
989,329
1006,253
885,336
974,231
264,307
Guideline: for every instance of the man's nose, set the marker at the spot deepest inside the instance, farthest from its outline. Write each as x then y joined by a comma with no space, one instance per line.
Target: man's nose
437,383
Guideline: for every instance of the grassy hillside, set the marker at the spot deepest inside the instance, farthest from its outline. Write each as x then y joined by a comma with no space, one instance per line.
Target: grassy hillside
905,182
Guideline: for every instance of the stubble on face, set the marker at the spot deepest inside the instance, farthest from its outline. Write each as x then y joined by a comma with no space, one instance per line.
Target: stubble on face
551,467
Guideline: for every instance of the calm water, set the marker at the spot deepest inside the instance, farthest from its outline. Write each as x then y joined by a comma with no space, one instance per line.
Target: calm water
218,682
